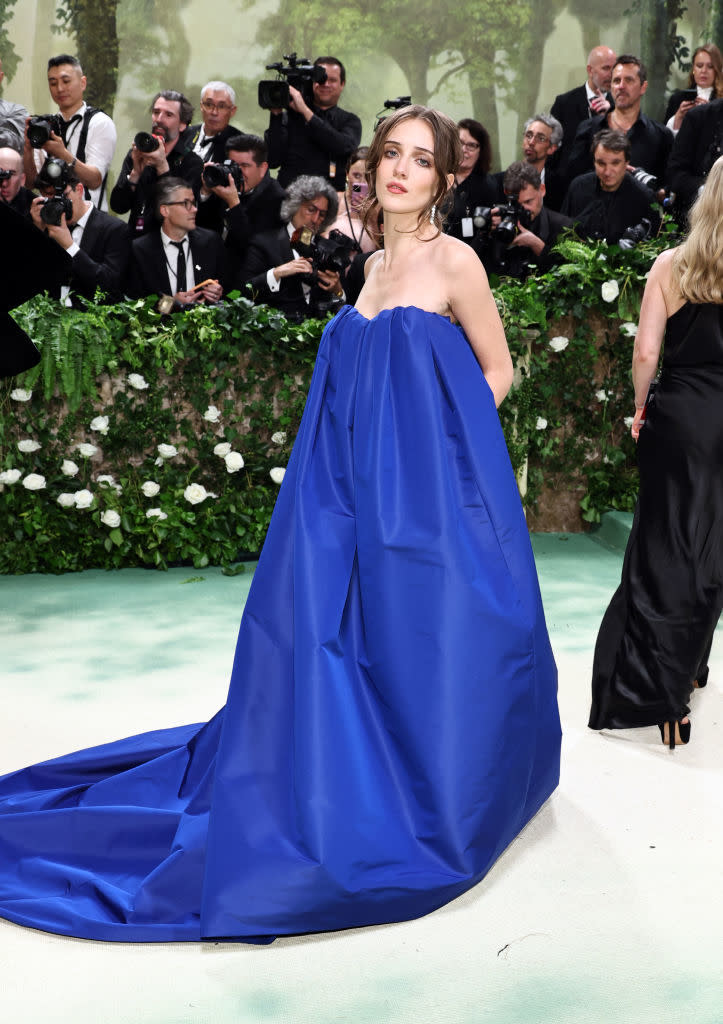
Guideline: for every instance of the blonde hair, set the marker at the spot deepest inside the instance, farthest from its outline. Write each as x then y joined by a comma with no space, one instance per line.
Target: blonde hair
698,262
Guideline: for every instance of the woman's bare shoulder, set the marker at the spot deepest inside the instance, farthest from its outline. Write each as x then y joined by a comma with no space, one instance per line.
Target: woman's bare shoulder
372,262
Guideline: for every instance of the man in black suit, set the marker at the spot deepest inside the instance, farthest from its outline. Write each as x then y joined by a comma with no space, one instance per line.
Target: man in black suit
317,139
607,201
650,142
585,101
530,249
178,258
97,243
208,139
12,182
239,214
697,146
275,270
135,189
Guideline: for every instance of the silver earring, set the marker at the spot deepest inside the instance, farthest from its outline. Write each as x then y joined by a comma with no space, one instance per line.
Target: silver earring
433,213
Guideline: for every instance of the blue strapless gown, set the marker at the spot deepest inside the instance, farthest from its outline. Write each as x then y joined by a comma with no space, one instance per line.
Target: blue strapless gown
391,723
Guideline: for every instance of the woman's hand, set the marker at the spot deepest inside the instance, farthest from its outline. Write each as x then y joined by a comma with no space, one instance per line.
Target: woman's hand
636,425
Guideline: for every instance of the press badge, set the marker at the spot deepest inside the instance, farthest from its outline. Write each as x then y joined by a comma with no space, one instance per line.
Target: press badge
467,227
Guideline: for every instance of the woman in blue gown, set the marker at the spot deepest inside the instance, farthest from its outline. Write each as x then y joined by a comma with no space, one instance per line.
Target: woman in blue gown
392,721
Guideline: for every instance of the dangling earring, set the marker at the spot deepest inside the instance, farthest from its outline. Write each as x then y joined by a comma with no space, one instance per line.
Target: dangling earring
433,213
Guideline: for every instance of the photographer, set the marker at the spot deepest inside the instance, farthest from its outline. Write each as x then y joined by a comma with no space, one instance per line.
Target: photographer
274,269
248,201
537,227
12,182
474,186
314,136
82,136
96,242
178,258
697,146
608,202
218,105
165,151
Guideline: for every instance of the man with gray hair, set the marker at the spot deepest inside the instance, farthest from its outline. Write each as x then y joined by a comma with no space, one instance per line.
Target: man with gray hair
541,137
12,121
218,106
274,268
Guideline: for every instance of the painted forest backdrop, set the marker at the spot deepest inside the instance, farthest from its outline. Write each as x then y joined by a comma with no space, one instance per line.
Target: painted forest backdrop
490,59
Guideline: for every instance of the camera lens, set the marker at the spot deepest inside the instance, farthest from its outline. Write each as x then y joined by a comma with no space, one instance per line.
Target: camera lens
146,142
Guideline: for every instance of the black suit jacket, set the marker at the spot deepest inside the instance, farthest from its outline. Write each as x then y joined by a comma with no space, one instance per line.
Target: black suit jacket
148,273
316,146
600,214
139,202
218,146
650,145
571,109
257,211
267,250
103,258
697,146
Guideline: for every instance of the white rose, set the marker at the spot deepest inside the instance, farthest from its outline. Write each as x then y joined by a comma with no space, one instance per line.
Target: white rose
83,499
279,437
137,381
110,518
628,421
100,424
26,445
158,462
602,258
277,474
66,500
86,450
541,423
630,329
559,343
234,462
10,476
610,290
106,478
150,488
222,449
68,468
21,395
212,414
195,494
601,395
167,451
155,513
34,482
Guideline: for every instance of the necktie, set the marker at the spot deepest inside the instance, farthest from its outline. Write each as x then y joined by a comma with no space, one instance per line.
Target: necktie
180,268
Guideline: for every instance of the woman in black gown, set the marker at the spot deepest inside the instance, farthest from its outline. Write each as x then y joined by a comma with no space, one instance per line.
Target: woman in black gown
654,640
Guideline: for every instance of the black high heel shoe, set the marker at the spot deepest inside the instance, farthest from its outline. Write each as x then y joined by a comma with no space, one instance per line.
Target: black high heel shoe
683,732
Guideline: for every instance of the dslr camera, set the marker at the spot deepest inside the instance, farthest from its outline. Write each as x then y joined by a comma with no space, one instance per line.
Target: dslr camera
55,172
145,142
214,175
40,128
334,253
297,71
632,236
510,214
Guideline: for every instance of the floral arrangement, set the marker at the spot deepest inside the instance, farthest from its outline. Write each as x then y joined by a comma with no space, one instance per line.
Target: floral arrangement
142,440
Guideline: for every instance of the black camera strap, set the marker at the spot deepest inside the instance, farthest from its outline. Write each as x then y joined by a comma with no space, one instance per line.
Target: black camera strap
80,151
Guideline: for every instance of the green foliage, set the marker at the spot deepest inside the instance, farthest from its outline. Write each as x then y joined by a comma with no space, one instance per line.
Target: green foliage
8,53
93,24
564,418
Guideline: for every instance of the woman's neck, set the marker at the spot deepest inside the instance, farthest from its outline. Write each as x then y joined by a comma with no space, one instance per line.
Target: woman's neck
402,235
462,174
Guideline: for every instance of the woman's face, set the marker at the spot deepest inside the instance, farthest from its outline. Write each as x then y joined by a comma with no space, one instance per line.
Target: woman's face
406,177
703,70
356,173
470,150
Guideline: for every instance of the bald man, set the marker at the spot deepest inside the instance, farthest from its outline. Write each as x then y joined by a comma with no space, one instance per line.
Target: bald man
12,181
577,105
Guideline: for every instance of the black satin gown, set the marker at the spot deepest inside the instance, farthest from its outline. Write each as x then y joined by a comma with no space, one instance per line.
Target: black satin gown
656,635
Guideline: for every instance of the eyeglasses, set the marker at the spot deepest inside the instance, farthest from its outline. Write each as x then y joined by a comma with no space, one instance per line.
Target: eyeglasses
190,204
536,137
7,174
221,107
470,145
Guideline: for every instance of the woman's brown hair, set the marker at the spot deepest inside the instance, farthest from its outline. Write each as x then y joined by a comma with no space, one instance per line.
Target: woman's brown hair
716,60
447,155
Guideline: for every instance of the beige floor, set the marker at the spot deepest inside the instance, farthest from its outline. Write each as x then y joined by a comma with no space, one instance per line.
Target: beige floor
606,909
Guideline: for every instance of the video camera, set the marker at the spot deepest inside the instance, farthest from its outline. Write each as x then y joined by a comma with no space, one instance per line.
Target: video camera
215,175
299,72
55,173
395,104
40,128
